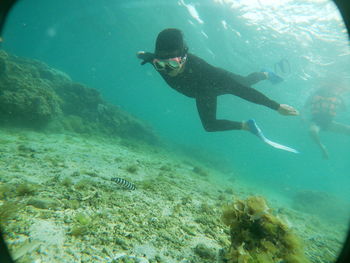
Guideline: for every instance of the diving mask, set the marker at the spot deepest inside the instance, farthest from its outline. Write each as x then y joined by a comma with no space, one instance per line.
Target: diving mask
172,63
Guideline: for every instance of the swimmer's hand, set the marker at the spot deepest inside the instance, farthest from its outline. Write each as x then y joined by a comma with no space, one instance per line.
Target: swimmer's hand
147,57
285,109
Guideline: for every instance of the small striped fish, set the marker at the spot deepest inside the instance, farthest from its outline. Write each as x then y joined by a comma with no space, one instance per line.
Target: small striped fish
124,183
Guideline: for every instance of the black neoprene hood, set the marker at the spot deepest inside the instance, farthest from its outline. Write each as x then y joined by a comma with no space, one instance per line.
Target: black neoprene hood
170,43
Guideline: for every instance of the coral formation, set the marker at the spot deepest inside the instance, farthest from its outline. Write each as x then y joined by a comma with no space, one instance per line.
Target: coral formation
25,97
34,95
259,236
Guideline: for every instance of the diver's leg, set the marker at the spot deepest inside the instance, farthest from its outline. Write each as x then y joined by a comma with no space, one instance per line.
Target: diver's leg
255,77
314,131
206,106
339,128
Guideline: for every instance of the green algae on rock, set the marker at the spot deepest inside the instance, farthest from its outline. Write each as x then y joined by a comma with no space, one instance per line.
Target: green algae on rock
34,95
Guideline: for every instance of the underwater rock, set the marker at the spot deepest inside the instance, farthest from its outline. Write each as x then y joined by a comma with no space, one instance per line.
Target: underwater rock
26,248
205,252
9,210
25,97
79,100
124,258
321,204
200,171
259,236
43,203
36,96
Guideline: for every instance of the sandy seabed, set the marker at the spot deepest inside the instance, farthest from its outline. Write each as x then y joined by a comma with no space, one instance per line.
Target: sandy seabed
60,205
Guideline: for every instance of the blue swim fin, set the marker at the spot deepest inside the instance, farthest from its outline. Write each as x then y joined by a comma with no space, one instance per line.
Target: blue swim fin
272,76
254,128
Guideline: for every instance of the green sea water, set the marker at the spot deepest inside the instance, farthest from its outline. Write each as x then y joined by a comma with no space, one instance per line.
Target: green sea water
95,43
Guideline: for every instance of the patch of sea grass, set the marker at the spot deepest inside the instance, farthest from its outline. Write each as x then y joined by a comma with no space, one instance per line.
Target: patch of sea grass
25,189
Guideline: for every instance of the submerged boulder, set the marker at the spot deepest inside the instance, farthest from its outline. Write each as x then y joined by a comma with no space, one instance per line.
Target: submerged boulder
34,95
322,204
25,97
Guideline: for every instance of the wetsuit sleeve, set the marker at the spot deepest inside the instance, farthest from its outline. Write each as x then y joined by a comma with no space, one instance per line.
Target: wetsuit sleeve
147,57
255,96
245,92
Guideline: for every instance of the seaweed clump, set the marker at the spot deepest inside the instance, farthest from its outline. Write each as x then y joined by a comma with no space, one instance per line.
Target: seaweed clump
257,236
82,225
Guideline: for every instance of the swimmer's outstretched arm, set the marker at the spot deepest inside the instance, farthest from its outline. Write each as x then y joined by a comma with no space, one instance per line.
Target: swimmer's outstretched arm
257,97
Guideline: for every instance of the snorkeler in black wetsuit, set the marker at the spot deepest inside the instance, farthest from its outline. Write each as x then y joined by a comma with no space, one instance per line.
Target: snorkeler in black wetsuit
195,78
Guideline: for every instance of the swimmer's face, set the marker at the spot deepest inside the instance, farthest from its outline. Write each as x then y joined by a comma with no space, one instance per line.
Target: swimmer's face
171,63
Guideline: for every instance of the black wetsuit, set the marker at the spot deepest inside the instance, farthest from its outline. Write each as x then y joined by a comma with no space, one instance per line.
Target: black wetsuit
205,82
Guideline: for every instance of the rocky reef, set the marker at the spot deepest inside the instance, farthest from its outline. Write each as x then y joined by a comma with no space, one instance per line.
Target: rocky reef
257,236
322,204
34,95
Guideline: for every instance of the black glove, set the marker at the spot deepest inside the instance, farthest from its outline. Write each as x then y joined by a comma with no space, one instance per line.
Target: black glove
147,57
